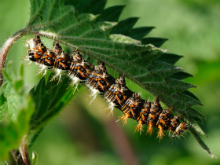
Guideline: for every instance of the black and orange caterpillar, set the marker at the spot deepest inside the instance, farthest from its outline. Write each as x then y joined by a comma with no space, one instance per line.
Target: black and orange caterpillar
115,91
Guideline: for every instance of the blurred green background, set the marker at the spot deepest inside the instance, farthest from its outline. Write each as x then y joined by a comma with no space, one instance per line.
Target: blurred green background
83,134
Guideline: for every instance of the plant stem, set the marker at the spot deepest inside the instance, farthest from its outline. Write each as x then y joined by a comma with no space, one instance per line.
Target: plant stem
11,160
6,47
24,151
17,158
20,157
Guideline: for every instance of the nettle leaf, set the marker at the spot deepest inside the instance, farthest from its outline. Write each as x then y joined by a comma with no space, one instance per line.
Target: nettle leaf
85,25
49,98
16,108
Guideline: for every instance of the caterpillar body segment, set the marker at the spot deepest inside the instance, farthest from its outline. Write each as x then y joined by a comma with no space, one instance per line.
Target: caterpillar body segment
143,116
36,49
131,108
62,61
117,94
79,67
48,59
176,127
153,116
163,122
99,80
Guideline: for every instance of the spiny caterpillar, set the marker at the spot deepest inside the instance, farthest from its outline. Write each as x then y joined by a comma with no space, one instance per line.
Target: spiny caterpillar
115,91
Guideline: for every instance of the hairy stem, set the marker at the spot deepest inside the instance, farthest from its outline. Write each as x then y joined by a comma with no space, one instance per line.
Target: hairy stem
16,158
6,47
20,157
24,151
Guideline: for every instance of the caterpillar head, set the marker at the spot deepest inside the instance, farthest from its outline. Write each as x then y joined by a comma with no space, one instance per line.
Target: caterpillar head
180,129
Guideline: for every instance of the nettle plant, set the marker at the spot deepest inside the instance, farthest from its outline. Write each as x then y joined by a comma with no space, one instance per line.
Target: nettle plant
93,30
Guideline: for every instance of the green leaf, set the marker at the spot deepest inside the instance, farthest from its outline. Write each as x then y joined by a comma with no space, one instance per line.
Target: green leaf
181,75
169,58
49,99
16,108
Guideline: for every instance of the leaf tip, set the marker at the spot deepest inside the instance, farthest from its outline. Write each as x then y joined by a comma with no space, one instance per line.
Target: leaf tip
213,156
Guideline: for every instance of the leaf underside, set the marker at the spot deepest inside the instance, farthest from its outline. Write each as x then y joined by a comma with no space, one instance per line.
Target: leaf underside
49,98
87,26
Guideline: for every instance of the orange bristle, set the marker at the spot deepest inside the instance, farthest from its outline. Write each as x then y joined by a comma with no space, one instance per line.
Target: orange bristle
160,133
139,127
150,128
124,118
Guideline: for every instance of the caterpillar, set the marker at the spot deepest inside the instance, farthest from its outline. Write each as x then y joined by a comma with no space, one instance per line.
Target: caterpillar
114,91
